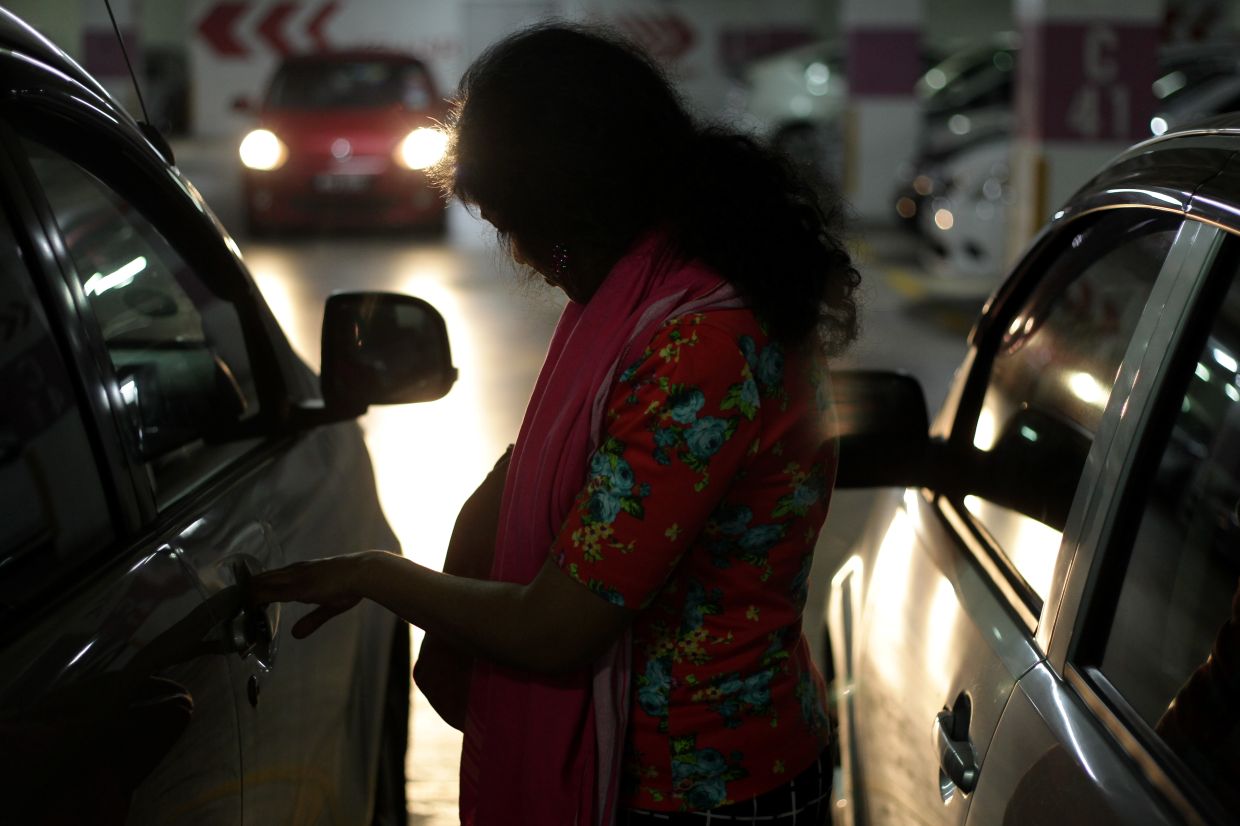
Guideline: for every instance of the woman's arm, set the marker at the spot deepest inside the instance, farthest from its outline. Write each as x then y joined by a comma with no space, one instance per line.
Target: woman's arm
550,626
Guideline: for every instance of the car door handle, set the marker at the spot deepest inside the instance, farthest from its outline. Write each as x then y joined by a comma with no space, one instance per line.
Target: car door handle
956,755
253,629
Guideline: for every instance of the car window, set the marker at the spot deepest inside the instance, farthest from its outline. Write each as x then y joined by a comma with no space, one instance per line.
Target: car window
177,348
1173,647
55,508
354,84
1050,381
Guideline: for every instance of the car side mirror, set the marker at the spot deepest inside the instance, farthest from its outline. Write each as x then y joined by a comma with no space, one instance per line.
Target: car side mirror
883,429
382,348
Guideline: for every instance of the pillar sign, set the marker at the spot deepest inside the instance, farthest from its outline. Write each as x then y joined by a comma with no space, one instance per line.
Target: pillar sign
1091,81
1083,95
883,61
883,122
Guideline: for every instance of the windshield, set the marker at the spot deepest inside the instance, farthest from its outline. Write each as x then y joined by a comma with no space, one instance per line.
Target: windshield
356,84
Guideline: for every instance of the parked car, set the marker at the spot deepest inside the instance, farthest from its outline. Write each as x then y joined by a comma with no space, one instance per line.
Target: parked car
963,229
794,100
344,139
963,215
159,444
969,115
969,93
1187,96
1041,623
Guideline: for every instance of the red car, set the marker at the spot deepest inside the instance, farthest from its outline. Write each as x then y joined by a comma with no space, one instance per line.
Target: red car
344,140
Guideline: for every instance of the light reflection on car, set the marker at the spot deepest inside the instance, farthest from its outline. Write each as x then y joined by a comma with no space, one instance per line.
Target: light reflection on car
1041,622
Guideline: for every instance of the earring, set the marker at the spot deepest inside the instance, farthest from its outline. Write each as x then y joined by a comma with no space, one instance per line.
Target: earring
559,261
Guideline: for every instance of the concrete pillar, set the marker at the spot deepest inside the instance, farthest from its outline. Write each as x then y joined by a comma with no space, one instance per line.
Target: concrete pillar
883,121
1083,94
101,51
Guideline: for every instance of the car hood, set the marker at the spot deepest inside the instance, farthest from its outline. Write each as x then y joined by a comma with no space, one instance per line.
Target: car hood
367,130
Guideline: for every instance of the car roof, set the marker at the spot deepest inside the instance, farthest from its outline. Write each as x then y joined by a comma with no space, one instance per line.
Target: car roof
59,81
18,36
1187,170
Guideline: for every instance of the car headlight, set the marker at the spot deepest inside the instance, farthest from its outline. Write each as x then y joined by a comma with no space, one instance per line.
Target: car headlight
422,148
262,150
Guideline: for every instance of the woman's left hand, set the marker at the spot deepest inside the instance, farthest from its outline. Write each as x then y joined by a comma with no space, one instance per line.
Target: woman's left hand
334,584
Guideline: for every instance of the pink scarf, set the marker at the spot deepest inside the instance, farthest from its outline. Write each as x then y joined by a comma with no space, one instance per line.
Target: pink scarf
546,751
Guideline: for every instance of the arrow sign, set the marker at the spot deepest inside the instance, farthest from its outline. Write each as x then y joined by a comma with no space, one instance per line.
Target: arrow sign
218,29
314,29
666,36
270,28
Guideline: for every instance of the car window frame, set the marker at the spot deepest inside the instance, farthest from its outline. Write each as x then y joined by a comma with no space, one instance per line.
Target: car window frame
133,171
1076,646
43,268
104,444
1036,613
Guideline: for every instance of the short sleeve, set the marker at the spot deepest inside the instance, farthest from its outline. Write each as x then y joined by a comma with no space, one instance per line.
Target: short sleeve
680,424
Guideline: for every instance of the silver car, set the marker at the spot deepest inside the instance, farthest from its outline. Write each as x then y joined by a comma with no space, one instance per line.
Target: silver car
159,444
1041,623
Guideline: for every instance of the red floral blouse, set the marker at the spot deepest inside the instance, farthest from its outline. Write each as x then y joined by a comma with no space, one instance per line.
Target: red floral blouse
701,509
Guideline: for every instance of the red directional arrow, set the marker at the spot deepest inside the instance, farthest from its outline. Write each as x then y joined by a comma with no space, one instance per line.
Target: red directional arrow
314,29
680,36
666,36
217,28
270,29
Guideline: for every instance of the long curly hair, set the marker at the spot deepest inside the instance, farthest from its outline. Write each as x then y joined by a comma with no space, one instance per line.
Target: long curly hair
571,138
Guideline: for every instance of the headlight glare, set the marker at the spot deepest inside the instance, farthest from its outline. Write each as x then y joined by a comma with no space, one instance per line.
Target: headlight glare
262,150
422,148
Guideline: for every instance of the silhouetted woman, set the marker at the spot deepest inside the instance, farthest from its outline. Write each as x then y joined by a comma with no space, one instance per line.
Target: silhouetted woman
629,583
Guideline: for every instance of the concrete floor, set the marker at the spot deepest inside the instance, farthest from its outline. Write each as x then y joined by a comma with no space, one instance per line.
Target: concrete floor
429,457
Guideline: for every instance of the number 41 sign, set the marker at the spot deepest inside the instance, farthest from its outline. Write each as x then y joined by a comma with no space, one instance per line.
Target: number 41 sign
1092,81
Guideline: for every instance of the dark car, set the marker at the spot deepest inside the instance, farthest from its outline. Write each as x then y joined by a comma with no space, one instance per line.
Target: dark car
1041,624
344,139
159,444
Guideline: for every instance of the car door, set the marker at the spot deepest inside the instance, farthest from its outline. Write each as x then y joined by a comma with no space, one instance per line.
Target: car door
116,702
179,330
1132,718
957,586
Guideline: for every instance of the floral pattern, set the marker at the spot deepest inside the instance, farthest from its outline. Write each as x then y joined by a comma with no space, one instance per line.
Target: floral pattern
701,509
700,776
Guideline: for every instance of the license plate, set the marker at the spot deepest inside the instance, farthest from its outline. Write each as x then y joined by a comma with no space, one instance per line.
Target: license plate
342,183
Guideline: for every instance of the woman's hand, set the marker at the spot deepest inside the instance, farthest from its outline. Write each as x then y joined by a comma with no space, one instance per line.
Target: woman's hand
334,584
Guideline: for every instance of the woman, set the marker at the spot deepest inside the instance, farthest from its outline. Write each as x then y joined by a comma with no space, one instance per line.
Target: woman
636,637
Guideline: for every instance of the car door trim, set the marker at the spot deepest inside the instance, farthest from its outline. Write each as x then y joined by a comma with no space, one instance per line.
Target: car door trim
1160,774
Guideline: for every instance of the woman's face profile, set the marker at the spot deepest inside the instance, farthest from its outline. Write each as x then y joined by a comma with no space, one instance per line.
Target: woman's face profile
518,253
